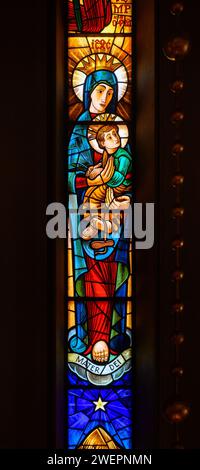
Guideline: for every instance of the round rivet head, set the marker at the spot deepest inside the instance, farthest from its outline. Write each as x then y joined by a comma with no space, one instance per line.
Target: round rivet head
177,117
178,338
177,149
177,180
176,48
177,411
178,371
177,308
177,243
177,8
177,212
177,275
177,86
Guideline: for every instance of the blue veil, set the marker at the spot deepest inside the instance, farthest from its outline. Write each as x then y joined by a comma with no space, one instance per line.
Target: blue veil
94,79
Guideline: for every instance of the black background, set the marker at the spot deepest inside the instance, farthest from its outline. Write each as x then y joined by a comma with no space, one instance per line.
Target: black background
26,351
190,390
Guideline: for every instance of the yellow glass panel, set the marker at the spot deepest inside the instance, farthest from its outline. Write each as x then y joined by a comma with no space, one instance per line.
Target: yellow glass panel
129,314
71,314
121,17
70,268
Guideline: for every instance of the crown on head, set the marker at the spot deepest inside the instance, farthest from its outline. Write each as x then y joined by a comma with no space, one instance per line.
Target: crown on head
98,62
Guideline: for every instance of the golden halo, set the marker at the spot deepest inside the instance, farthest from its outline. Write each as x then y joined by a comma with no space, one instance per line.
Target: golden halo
104,119
94,62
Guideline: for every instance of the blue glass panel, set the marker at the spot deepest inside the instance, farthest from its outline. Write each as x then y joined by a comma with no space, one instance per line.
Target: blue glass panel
108,409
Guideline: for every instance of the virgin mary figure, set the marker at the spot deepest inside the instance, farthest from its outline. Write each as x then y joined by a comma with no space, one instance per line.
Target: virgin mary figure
100,279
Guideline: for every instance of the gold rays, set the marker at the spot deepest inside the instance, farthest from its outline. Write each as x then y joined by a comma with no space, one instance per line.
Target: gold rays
118,47
88,54
98,62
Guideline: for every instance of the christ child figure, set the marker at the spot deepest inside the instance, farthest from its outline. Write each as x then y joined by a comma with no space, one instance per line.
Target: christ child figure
113,193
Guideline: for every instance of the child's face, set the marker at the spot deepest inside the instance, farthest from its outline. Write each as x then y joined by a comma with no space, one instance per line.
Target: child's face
111,139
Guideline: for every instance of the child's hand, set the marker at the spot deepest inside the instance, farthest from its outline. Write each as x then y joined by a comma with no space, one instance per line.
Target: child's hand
105,174
91,168
95,173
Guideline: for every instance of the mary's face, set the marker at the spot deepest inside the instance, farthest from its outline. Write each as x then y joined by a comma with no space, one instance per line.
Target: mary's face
101,96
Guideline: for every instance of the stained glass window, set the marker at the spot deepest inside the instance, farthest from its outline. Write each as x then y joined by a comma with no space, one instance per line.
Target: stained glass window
99,151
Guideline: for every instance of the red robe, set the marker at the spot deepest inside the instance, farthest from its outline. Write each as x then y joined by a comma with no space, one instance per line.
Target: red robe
95,15
99,282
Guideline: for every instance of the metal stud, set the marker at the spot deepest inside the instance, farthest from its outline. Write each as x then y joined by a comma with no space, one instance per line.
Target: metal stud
177,411
177,86
177,48
177,8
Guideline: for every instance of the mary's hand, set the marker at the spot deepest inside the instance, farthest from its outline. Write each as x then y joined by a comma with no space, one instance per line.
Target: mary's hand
105,175
91,170
94,173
